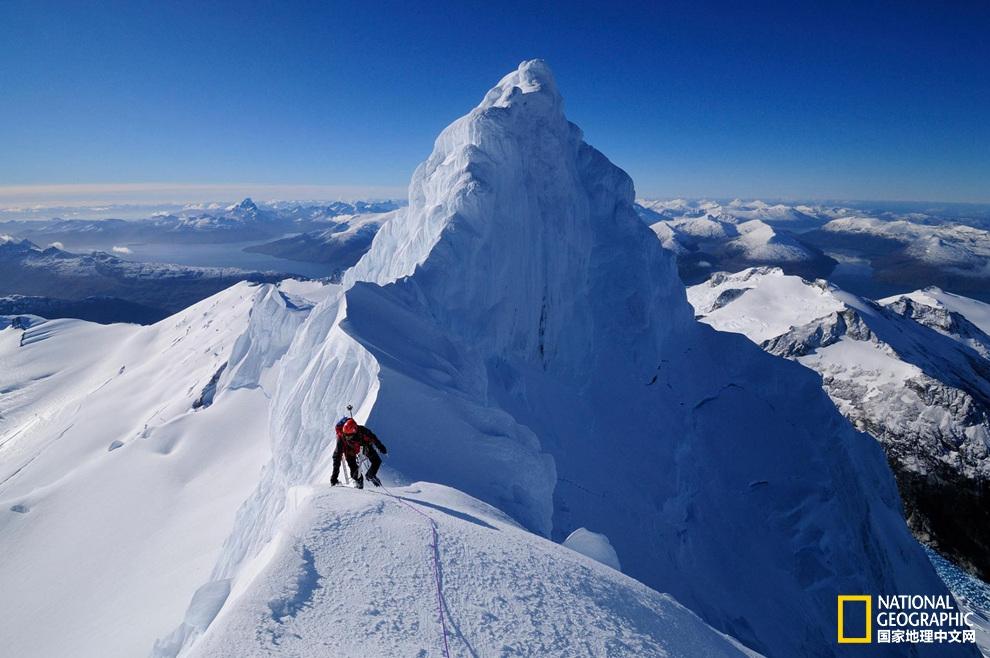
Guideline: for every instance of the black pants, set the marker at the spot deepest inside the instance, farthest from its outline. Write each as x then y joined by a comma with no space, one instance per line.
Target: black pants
373,457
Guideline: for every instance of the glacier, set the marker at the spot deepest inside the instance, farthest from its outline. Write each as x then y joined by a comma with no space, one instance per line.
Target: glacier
518,337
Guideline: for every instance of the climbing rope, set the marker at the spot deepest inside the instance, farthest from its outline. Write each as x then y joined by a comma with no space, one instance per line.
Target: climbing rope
436,555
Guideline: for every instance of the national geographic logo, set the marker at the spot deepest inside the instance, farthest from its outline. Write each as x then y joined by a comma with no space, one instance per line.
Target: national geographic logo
902,619
867,602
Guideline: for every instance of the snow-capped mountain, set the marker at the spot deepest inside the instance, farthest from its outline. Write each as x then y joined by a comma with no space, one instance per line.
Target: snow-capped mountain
245,219
947,255
52,282
800,217
150,439
342,245
240,222
525,348
329,211
958,317
870,251
708,243
911,370
957,245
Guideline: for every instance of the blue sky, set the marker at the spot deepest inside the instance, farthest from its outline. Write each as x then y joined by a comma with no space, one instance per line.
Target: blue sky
858,100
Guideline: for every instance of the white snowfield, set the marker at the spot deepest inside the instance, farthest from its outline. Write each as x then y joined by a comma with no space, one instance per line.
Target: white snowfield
122,493
353,576
770,305
516,335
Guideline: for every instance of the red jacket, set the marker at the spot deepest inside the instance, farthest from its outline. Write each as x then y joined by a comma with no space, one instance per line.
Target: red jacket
352,443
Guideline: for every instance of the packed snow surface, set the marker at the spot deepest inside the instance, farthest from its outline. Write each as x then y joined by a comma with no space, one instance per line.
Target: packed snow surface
361,584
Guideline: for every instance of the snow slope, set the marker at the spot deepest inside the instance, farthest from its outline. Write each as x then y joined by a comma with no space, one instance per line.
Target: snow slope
517,334
362,584
115,494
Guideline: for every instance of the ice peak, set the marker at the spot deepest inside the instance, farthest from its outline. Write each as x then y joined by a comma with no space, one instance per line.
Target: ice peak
512,189
532,80
246,204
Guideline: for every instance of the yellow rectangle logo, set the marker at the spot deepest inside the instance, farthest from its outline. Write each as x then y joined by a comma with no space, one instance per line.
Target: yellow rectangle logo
864,598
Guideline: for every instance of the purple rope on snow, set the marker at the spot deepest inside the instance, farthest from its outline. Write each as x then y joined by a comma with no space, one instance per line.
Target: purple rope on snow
436,565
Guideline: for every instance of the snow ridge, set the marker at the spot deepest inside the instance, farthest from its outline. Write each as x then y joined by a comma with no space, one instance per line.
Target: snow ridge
517,334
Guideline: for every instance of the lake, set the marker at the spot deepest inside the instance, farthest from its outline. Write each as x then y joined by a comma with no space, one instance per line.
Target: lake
231,254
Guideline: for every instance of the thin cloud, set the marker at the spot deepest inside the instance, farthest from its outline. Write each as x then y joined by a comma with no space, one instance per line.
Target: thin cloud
41,196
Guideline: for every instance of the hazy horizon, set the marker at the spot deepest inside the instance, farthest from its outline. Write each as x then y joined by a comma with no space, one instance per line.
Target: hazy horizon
37,200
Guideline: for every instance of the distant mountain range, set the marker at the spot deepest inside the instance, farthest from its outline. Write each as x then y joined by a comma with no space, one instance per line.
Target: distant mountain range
241,222
869,251
51,282
342,245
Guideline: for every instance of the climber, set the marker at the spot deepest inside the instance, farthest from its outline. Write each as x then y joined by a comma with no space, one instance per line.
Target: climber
351,439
